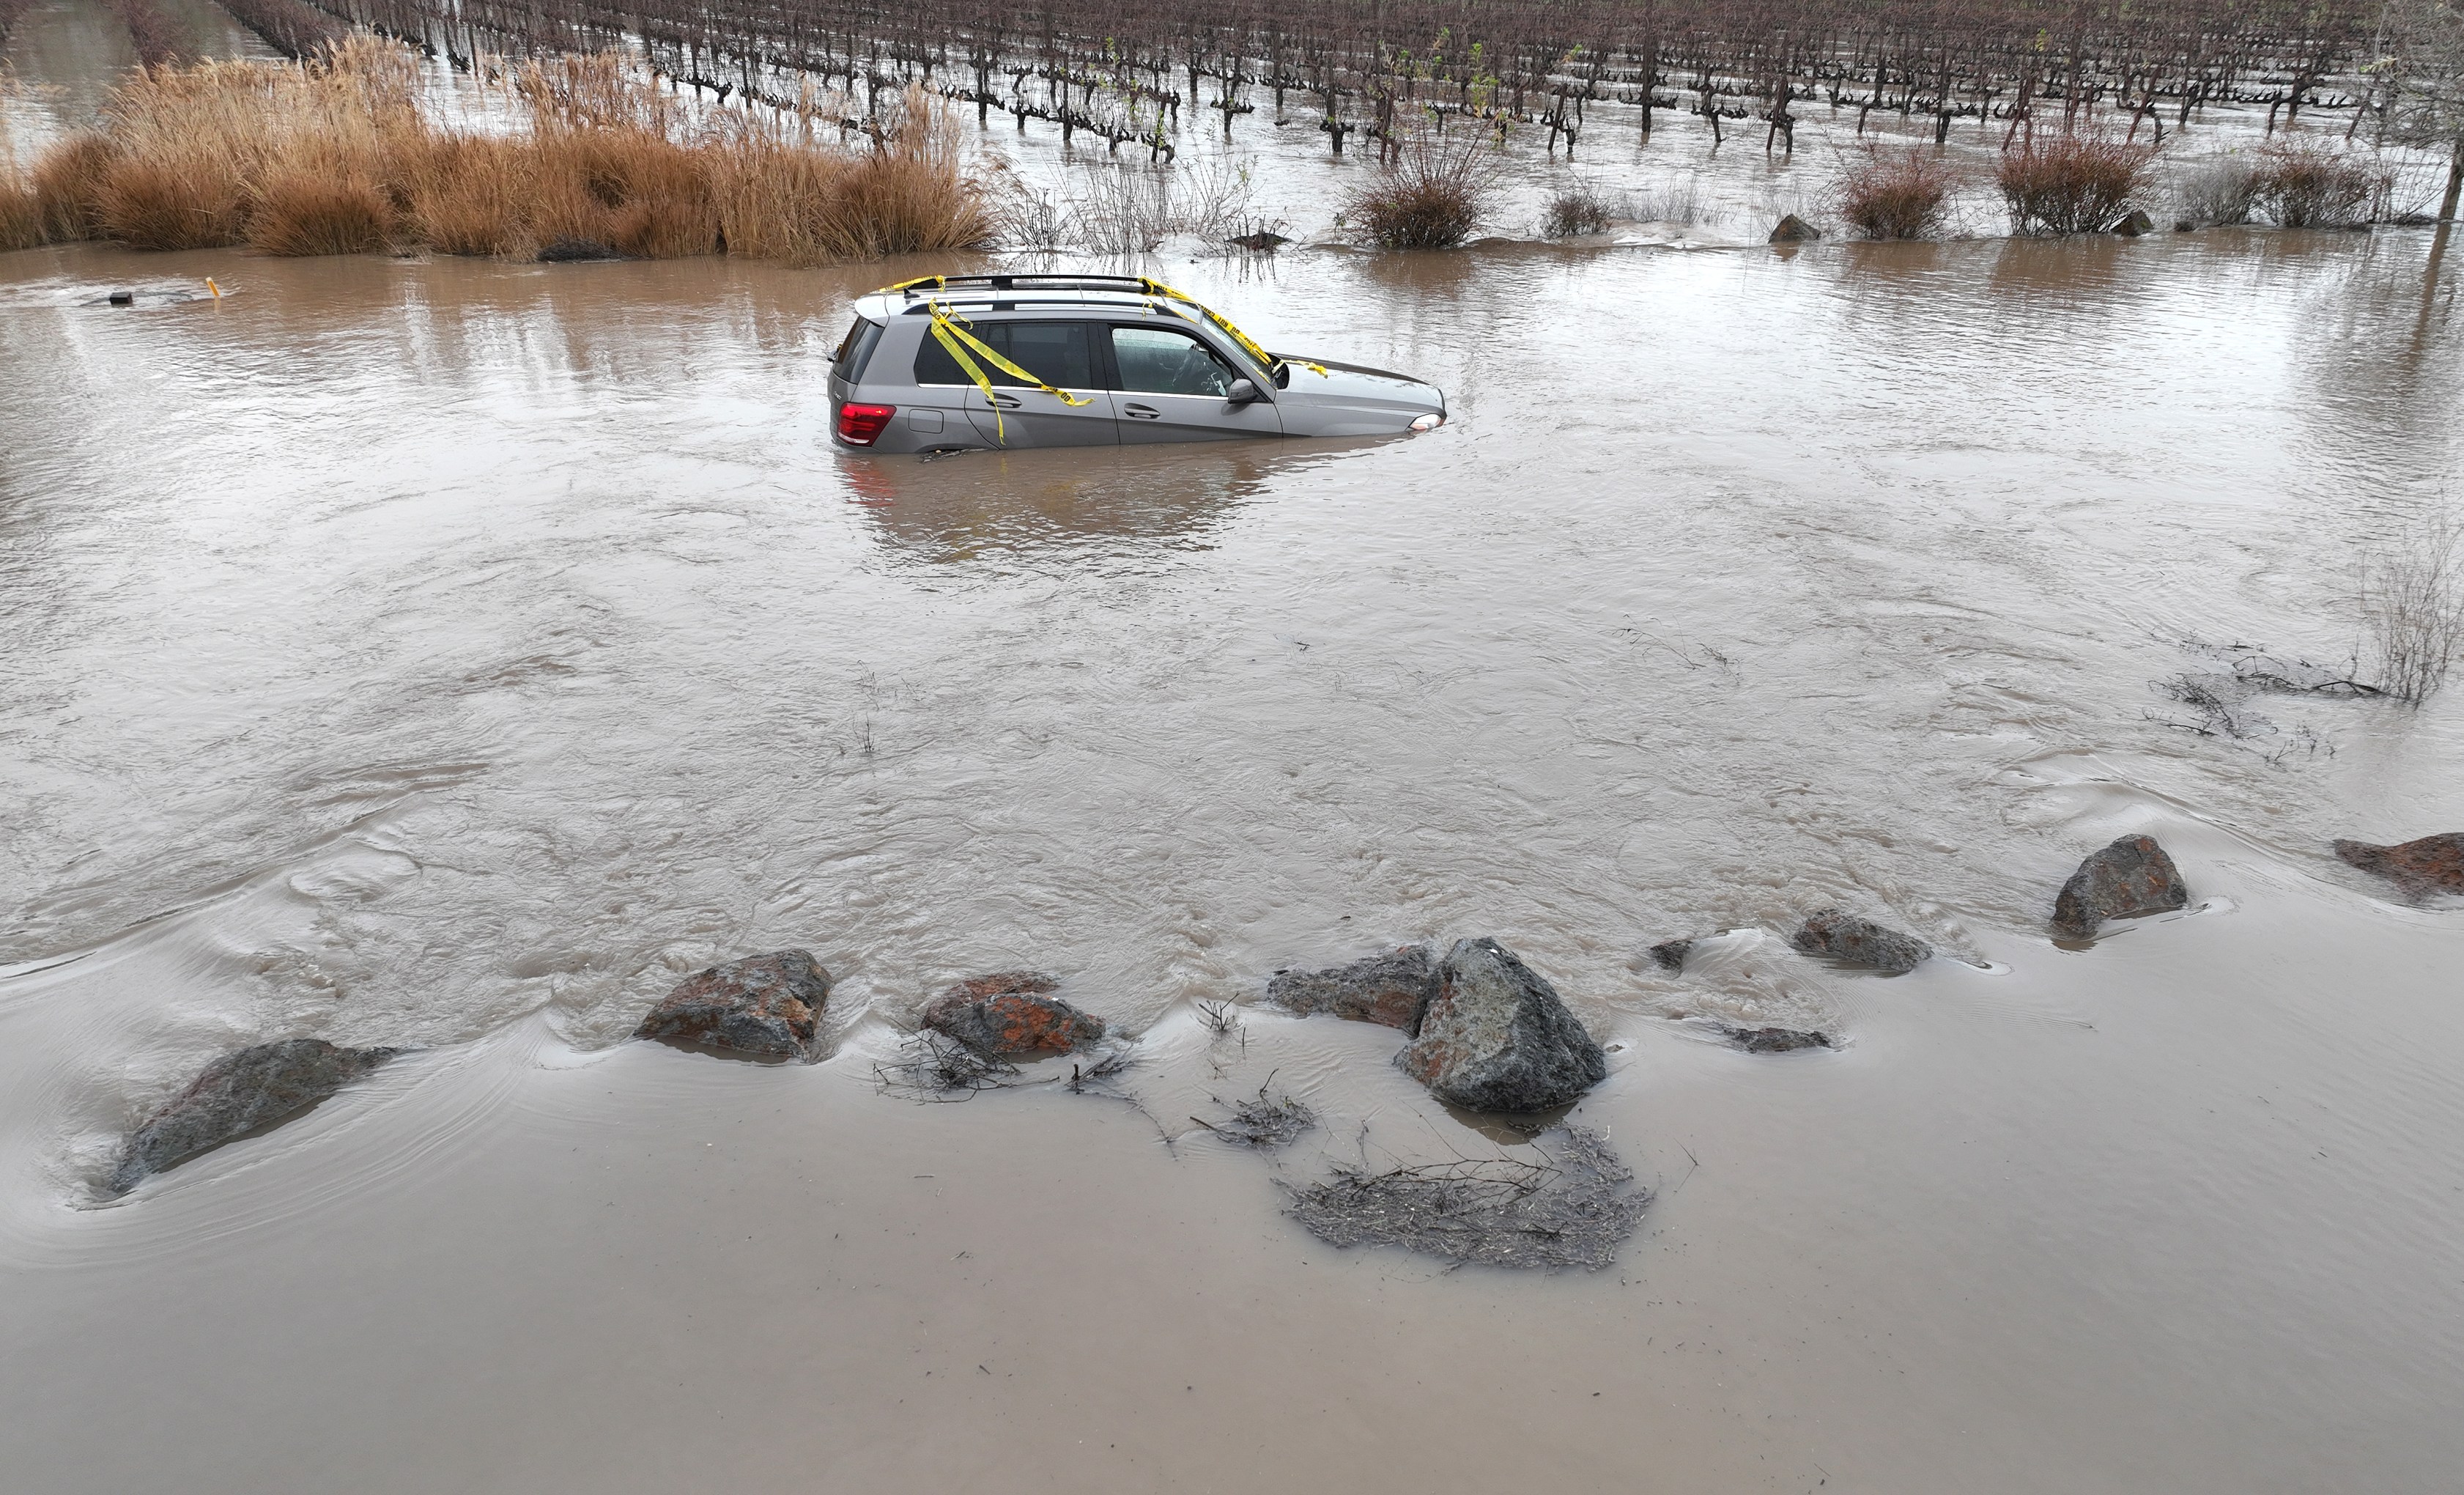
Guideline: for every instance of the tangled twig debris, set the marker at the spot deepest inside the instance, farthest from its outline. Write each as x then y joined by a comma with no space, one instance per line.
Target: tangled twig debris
1270,1121
933,1066
1571,1208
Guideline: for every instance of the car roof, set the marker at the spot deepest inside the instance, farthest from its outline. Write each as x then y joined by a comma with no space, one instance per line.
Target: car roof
1011,293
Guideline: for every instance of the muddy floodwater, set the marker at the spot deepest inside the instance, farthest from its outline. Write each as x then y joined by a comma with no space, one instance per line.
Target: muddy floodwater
455,654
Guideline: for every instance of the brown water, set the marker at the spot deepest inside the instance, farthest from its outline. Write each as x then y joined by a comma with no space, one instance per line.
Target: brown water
452,653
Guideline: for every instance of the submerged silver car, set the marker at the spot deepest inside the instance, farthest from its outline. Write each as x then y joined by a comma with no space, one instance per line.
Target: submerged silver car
954,362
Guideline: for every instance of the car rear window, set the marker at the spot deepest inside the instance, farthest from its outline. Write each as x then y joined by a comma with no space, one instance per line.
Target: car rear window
848,361
1060,353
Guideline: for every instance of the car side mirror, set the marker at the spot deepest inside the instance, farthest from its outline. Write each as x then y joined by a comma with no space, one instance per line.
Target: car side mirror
1243,392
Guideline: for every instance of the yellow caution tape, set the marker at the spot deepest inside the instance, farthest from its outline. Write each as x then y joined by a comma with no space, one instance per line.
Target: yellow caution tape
960,341
945,329
1266,360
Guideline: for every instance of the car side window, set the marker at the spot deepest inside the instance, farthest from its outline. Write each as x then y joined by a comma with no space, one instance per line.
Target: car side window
1060,354
1165,361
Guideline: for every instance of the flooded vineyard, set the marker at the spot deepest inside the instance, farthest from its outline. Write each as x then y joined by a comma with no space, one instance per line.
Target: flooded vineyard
450,656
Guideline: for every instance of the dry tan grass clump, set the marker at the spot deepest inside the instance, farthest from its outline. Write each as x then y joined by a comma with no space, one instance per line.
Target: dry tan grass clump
335,156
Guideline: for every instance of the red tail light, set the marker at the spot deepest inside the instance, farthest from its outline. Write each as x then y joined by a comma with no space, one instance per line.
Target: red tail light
860,424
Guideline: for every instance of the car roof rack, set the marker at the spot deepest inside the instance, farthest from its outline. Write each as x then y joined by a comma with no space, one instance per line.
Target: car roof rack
931,285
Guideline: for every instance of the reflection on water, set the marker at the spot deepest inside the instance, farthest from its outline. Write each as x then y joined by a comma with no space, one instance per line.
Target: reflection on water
969,505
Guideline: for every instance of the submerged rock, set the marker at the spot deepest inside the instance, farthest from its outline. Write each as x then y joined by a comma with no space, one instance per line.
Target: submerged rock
2131,877
1669,955
1840,936
762,1005
1497,1037
1775,1041
2135,223
1392,989
2432,864
237,1094
1007,1015
1793,230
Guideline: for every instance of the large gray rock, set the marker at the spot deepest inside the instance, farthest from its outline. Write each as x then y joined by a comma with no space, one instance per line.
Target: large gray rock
762,1005
1793,230
1496,1037
1392,989
2131,877
1836,936
1009,1015
237,1094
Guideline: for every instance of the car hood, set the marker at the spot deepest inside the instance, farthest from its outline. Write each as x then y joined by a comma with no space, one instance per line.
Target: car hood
1350,384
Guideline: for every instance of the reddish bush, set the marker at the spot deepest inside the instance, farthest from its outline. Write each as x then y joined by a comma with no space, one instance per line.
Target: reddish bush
2072,184
1896,194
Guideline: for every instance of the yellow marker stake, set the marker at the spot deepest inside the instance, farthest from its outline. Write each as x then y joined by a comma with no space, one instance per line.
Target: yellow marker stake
211,286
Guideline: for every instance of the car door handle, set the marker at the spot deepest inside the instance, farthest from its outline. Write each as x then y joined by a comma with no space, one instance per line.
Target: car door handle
1007,402
1143,413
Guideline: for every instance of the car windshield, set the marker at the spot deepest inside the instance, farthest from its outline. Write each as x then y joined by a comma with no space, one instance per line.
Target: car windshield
1162,360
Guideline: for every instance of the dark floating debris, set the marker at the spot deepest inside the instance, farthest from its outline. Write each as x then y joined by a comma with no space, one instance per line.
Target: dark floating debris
1009,1015
124,298
2431,865
766,1005
237,1094
1497,1037
1393,989
1837,936
1571,1208
1793,230
1268,1121
1775,1041
2131,877
1669,955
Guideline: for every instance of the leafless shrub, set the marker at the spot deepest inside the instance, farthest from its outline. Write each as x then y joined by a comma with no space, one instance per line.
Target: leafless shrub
2072,184
1582,209
1571,1208
1122,208
1220,1017
2224,191
1211,197
1898,194
1431,192
1031,217
2413,610
2312,186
